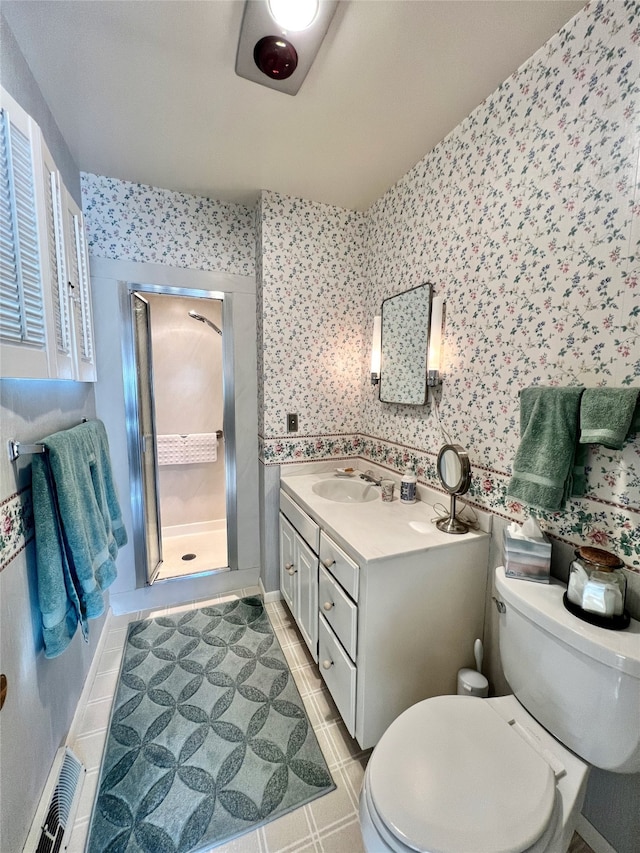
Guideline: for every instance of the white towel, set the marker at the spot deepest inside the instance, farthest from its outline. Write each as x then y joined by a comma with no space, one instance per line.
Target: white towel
187,449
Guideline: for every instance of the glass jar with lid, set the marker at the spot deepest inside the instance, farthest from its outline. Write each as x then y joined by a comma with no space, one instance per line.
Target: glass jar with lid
597,587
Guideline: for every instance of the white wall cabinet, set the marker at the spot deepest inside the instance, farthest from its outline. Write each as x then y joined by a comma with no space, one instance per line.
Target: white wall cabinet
46,329
23,331
75,251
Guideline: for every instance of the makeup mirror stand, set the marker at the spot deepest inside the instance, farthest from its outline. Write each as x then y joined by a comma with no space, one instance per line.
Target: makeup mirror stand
452,524
454,471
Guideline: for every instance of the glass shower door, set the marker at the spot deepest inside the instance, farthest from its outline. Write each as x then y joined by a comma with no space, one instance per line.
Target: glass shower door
147,435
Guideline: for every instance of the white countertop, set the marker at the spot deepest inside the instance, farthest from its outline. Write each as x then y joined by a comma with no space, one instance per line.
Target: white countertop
373,530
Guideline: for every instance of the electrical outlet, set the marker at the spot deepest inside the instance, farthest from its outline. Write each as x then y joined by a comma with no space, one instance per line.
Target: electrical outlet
292,423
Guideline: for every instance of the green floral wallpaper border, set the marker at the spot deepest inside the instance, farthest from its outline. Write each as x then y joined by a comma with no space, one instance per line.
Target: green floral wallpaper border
591,519
16,525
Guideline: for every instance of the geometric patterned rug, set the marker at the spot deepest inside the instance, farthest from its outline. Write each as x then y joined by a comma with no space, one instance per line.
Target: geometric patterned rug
208,736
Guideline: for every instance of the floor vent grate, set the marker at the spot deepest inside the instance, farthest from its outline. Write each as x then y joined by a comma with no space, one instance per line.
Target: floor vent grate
51,829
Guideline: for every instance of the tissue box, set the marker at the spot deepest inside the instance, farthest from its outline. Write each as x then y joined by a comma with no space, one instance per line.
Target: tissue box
529,559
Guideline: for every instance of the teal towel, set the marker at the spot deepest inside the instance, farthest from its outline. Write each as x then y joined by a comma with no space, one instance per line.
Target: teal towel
543,468
78,526
608,416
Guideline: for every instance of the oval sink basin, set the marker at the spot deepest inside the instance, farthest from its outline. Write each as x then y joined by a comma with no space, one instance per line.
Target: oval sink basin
345,491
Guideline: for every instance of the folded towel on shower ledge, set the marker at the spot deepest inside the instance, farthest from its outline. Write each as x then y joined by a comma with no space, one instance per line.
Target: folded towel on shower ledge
608,416
547,461
187,448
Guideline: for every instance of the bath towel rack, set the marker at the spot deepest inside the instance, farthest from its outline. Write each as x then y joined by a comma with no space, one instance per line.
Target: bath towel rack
17,449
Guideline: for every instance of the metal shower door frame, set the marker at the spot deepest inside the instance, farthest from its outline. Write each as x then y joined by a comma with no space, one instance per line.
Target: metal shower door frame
126,289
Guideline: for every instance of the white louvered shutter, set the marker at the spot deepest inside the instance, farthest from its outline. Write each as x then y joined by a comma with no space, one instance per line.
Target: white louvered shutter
78,273
10,326
61,355
22,312
86,354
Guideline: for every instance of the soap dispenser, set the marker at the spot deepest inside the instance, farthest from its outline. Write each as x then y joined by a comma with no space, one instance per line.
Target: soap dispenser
408,487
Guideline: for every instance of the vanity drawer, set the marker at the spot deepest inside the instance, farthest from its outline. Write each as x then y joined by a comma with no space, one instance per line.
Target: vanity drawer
339,674
335,561
303,523
339,611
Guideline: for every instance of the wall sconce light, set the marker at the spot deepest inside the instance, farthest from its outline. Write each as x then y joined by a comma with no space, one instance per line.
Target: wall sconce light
376,348
279,40
434,353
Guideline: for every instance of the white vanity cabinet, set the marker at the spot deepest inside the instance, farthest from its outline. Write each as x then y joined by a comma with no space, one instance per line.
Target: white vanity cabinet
399,604
299,569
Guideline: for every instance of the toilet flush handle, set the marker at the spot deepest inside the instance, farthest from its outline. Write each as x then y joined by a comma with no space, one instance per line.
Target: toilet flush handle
500,605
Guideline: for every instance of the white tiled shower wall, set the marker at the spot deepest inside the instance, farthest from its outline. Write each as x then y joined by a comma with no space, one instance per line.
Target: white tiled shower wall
187,384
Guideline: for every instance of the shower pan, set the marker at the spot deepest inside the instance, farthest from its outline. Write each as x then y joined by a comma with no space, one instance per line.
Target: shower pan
177,421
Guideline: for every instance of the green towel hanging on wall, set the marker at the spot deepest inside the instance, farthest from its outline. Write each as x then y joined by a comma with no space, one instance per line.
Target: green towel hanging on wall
609,416
543,468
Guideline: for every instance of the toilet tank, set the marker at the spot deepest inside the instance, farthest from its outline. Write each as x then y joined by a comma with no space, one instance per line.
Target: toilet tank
581,682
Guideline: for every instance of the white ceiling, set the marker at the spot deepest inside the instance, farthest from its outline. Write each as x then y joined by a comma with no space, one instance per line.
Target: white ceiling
145,90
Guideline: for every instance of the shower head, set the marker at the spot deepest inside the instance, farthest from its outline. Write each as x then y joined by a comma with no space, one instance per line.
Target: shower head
202,319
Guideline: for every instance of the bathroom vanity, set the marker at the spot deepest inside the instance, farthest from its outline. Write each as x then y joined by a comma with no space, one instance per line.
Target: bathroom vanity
388,605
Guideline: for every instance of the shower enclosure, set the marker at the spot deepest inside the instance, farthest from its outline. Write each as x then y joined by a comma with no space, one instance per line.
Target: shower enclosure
176,416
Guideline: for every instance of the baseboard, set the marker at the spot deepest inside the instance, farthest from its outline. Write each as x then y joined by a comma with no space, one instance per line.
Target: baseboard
597,842
88,682
268,597
183,590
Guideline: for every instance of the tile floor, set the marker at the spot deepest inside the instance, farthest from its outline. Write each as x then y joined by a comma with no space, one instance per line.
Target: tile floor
327,825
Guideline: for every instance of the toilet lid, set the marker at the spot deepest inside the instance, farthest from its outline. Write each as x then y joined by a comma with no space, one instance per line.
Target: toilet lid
451,775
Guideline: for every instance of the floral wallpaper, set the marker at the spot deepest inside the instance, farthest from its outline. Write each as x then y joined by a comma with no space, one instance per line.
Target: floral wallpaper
16,525
312,299
134,222
526,218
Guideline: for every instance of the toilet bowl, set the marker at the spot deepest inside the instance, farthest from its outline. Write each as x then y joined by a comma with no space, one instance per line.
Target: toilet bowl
460,774
485,777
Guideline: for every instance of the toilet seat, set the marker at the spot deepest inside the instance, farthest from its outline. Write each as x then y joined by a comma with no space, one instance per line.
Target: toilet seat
475,784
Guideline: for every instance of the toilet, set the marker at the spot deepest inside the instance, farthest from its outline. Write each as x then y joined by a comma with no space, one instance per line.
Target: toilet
459,774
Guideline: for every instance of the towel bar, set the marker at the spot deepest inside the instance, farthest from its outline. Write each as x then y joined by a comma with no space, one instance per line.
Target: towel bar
17,448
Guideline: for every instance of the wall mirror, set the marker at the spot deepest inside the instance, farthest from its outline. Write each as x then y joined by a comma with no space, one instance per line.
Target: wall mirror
405,338
454,471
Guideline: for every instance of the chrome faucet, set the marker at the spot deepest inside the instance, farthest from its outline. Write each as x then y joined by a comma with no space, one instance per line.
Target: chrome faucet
370,478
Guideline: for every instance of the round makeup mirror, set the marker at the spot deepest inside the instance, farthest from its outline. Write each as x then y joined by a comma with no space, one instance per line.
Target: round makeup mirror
454,471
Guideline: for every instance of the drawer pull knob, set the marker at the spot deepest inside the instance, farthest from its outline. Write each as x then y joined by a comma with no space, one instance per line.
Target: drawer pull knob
327,664
328,562
328,605
290,569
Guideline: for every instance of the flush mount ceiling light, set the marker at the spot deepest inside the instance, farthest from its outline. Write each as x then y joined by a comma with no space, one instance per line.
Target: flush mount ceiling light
279,40
293,15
